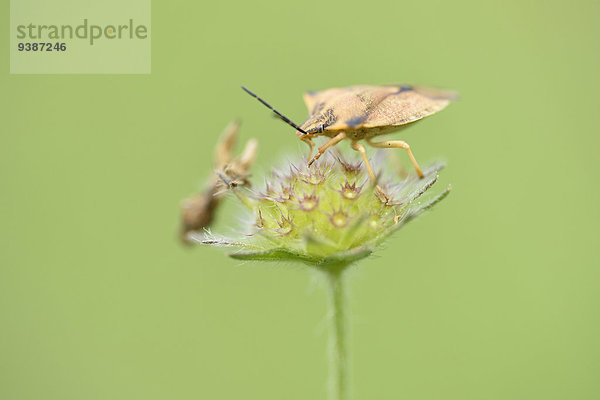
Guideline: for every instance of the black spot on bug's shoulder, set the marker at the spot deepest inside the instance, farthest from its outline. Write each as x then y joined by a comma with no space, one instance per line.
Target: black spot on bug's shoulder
355,121
404,88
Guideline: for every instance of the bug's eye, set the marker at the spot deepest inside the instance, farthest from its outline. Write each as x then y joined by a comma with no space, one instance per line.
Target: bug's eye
320,129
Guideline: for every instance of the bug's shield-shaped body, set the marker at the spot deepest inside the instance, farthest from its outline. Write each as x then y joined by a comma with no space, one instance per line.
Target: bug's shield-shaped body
365,111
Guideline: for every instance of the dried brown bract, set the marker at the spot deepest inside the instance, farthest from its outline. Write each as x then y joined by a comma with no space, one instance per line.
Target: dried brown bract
198,211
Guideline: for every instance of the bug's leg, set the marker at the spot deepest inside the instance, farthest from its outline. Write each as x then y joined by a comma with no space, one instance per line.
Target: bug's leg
361,149
310,143
332,142
398,144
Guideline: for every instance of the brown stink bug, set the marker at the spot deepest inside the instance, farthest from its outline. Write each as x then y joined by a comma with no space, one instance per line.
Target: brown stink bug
364,112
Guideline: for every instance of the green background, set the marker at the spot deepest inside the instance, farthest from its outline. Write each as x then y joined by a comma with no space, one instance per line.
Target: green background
493,295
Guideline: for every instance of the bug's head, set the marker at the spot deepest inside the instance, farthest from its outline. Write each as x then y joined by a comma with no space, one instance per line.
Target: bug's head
299,131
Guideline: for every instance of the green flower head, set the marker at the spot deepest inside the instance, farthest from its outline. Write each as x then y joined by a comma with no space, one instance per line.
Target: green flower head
326,215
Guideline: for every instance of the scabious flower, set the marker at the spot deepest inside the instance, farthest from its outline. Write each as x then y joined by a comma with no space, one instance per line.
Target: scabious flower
329,215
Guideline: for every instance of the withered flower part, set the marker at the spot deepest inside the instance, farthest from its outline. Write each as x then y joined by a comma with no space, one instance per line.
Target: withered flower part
198,211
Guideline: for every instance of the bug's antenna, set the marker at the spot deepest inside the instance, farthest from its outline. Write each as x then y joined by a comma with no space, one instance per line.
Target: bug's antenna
280,115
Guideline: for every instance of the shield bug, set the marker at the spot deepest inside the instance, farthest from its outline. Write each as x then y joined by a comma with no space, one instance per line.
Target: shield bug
364,112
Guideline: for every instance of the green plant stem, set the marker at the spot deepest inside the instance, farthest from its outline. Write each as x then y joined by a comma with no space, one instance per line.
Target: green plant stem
339,362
